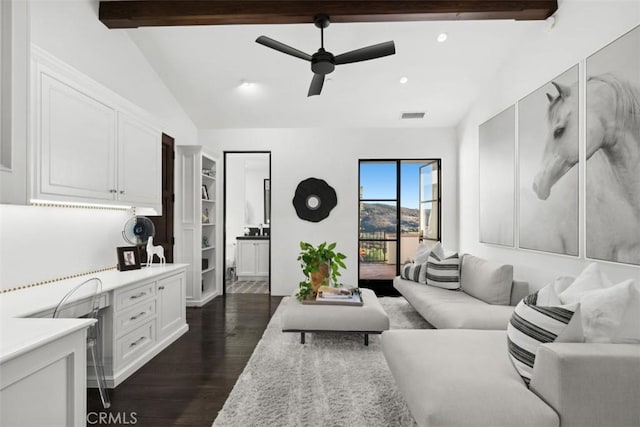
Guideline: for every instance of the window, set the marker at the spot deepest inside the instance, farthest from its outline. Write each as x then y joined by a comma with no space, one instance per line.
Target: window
399,207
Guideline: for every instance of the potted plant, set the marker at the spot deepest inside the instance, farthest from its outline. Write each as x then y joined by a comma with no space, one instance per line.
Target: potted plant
321,266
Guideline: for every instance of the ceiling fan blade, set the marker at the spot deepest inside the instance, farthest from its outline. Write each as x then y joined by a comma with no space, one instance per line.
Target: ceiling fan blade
316,85
281,47
364,54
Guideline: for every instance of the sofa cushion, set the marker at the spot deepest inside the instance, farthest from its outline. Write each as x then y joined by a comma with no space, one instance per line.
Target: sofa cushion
486,280
447,309
412,271
443,272
532,325
462,378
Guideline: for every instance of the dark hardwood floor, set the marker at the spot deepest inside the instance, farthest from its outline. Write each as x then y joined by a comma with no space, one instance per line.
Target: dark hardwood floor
188,383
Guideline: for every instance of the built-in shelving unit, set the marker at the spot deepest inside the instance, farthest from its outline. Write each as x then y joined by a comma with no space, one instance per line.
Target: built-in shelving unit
207,250
197,221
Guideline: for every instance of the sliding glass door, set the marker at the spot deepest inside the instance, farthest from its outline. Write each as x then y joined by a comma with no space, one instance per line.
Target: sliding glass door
399,207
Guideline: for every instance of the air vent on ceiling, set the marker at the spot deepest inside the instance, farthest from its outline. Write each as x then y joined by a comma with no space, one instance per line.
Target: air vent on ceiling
415,115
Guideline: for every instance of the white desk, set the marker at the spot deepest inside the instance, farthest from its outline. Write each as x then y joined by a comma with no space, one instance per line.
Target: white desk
143,311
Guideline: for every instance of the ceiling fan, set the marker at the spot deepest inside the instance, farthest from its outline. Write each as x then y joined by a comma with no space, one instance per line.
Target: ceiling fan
323,62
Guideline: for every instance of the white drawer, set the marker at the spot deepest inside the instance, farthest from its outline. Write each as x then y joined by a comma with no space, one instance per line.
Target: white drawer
134,316
132,345
131,296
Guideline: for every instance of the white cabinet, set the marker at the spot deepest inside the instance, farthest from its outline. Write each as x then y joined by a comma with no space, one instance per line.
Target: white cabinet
91,145
171,300
262,258
145,318
139,162
46,386
252,259
14,89
77,144
197,230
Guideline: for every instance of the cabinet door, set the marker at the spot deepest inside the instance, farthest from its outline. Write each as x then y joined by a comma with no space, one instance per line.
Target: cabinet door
172,304
139,162
76,144
262,258
246,265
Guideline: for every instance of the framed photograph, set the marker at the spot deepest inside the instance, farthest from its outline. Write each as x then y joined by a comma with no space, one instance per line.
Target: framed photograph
128,258
497,179
612,140
205,193
548,129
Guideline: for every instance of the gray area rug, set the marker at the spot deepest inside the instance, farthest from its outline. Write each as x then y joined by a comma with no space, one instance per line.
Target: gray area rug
332,380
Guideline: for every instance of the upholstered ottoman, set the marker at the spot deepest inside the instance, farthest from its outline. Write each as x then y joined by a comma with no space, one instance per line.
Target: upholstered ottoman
370,318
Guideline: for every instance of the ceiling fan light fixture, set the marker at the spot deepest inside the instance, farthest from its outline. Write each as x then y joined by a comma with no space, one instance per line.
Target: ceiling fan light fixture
442,37
324,62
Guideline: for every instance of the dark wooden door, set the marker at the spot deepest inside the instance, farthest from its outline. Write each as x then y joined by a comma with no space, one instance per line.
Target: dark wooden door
164,224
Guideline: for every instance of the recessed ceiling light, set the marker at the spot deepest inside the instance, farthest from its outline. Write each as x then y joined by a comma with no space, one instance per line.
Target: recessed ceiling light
403,80
245,84
442,37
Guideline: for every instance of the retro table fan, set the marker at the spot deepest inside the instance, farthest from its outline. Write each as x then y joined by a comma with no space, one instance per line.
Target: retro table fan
139,231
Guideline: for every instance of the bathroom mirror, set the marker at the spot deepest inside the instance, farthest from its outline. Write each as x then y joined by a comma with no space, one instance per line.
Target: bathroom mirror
267,201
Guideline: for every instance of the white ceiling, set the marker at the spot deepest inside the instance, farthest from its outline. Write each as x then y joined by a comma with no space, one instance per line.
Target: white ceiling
204,66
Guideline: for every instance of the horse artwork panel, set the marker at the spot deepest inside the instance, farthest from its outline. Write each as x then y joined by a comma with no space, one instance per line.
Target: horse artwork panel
548,150
613,151
497,179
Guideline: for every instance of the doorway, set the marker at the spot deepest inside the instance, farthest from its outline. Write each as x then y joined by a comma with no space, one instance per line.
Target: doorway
247,222
400,206
164,224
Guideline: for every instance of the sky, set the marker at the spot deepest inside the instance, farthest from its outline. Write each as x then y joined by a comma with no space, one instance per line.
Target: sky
379,182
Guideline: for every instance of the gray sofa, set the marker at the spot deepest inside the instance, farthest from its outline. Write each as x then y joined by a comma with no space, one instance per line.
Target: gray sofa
461,375
458,378
486,300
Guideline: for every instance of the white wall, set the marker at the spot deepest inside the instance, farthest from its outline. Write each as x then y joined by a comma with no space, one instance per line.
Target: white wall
582,27
44,243
332,155
40,243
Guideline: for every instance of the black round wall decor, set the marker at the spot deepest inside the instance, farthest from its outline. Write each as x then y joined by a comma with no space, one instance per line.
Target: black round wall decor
314,199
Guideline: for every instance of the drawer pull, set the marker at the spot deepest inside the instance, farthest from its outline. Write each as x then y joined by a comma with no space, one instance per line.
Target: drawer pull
161,287
140,295
136,342
137,316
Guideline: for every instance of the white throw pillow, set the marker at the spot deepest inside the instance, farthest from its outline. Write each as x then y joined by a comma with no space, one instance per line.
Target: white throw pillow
550,294
422,253
590,279
612,315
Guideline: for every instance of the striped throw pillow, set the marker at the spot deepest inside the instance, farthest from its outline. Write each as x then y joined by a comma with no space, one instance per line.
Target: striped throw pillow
532,325
411,271
443,272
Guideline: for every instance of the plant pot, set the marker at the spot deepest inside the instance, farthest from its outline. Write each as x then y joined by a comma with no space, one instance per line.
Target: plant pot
319,278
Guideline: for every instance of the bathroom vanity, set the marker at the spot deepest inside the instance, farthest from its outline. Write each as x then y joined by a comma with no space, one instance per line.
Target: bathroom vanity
252,257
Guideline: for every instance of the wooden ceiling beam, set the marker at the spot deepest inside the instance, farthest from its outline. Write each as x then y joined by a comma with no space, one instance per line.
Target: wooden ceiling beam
153,13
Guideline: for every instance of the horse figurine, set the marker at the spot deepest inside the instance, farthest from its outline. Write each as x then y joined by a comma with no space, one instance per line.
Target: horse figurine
154,250
613,162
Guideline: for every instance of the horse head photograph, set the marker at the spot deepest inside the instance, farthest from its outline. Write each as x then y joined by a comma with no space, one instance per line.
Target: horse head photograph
613,151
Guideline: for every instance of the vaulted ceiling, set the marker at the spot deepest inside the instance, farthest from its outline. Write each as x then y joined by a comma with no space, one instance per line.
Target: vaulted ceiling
204,67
